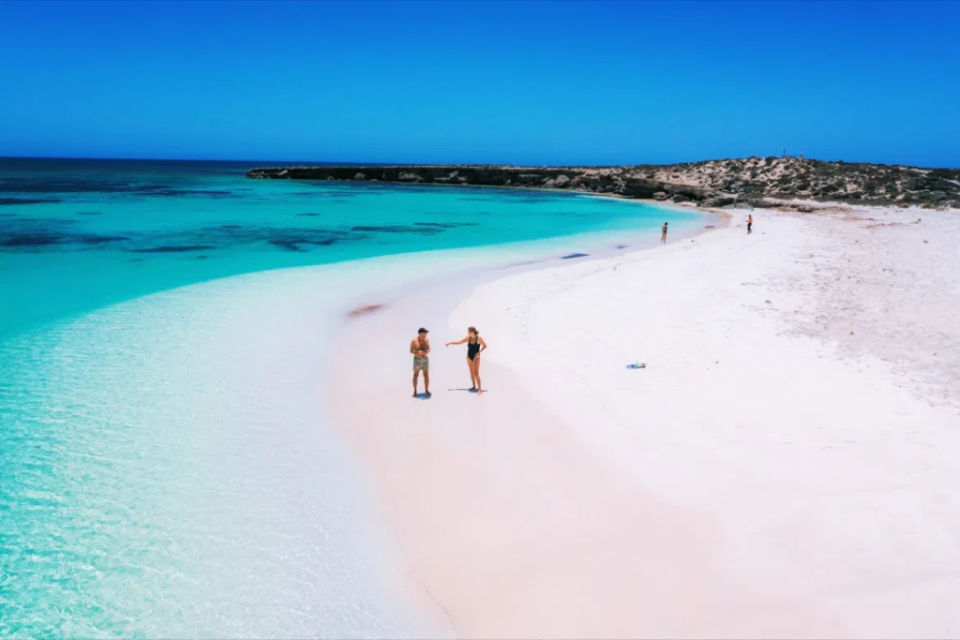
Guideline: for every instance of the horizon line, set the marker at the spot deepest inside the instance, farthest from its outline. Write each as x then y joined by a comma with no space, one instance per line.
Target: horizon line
442,164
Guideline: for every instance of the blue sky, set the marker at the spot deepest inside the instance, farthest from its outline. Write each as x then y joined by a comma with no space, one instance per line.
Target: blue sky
537,82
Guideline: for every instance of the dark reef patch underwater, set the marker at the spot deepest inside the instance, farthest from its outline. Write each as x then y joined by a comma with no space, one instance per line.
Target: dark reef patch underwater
34,234
9,202
179,248
188,193
59,235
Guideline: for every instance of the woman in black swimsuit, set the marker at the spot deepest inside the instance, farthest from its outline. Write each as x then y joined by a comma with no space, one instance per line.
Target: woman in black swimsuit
475,346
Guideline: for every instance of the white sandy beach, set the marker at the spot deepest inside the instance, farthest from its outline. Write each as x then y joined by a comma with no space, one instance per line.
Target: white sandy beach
785,466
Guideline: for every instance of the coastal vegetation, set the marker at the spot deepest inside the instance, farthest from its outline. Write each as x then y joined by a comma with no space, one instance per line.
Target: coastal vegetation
751,181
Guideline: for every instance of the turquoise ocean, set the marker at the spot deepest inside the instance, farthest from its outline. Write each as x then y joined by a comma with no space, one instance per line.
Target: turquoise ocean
157,476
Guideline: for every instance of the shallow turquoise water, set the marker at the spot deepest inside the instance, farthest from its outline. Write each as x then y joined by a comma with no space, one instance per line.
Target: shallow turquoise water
163,469
78,235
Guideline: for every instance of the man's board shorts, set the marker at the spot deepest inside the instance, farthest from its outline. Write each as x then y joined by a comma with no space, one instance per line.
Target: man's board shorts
421,364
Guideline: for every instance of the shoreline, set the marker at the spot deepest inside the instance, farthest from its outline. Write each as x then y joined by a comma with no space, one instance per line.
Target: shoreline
462,481
207,399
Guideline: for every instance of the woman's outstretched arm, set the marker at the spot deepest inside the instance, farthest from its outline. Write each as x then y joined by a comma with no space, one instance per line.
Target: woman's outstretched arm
460,342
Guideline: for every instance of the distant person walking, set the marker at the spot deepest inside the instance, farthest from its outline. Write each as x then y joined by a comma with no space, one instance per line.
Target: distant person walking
475,346
749,223
663,232
420,348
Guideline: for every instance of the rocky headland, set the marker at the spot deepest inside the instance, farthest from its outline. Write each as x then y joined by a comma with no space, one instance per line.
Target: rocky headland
751,181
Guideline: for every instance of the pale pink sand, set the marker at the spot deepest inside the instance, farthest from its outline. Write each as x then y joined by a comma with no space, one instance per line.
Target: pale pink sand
510,525
801,396
786,466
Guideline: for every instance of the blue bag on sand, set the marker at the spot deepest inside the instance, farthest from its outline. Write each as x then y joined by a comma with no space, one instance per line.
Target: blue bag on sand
637,365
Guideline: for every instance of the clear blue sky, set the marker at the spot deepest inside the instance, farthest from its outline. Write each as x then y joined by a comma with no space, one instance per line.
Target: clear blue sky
537,82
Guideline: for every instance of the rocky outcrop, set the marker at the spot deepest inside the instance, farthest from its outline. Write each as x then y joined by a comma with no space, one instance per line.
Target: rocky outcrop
714,183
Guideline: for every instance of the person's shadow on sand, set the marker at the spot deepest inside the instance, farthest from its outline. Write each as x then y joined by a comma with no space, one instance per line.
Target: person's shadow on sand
423,396
469,390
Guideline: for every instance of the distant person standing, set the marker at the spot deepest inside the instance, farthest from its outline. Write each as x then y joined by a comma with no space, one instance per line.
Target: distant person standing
749,223
663,232
475,346
420,348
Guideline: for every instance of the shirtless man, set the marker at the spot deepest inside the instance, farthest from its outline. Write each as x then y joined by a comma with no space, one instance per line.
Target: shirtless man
420,348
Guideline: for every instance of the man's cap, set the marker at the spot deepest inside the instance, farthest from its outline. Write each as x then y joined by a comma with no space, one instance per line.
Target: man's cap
422,330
